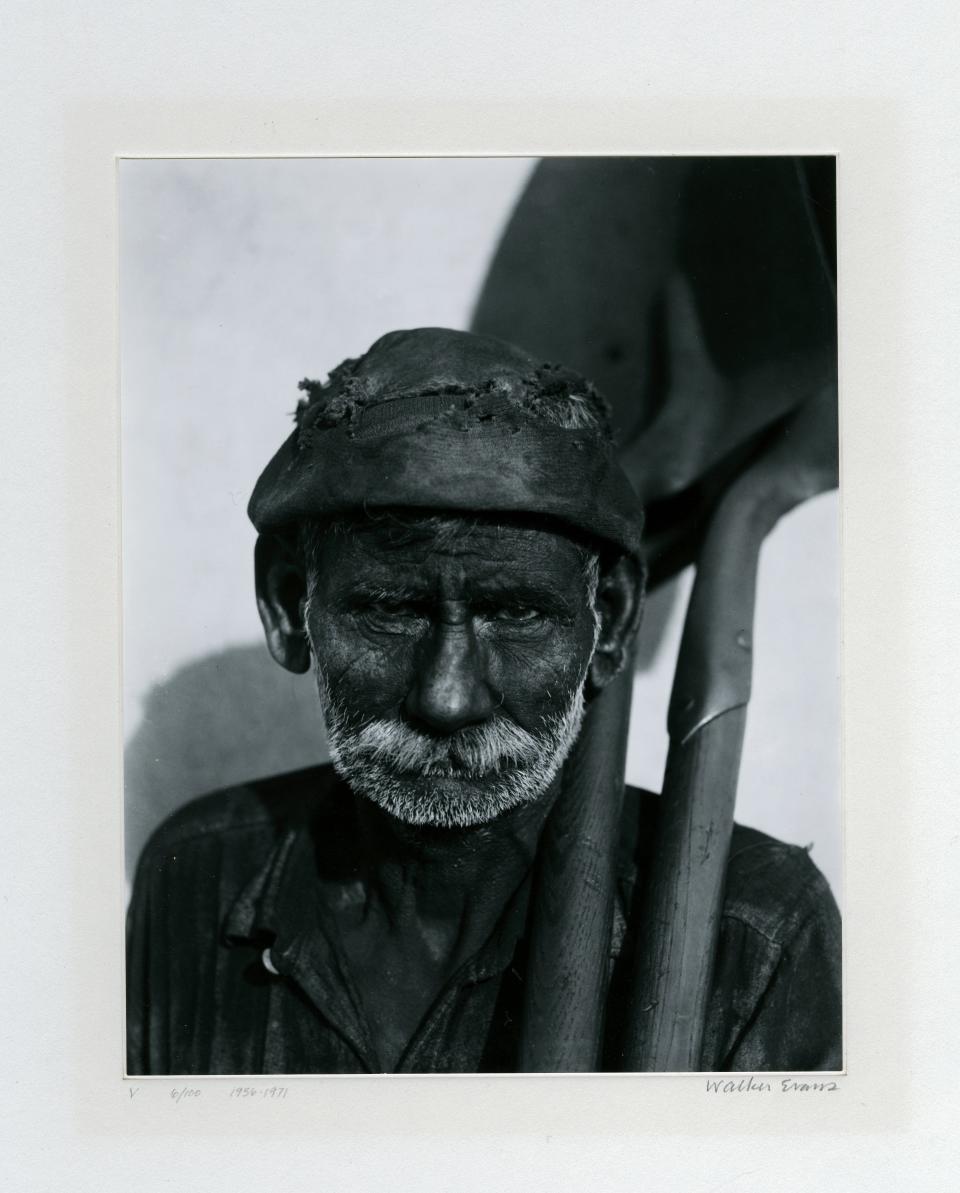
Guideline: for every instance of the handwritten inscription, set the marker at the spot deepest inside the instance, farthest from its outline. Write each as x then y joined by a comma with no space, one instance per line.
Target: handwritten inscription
180,1094
782,1085
790,1085
265,1093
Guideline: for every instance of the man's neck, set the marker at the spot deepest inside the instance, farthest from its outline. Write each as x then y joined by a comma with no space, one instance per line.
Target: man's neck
450,884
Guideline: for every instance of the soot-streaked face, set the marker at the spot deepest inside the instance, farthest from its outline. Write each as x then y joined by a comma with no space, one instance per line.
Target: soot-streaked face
451,666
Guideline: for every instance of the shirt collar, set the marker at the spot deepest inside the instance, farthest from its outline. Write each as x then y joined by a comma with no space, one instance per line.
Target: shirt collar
253,913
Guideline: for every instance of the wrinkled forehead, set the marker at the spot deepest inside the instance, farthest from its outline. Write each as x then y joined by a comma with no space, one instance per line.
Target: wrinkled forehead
477,547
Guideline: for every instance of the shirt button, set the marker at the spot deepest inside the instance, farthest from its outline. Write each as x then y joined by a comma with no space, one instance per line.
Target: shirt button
268,964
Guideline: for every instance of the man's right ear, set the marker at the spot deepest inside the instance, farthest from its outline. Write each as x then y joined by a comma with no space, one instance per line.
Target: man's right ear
281,597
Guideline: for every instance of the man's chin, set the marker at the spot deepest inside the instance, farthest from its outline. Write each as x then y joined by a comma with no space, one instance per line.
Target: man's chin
447,799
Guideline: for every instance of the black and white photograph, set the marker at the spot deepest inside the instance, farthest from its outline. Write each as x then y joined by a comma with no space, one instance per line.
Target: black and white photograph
481,615
479,610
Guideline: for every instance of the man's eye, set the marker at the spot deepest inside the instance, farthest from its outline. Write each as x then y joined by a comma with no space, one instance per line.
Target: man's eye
518,615
395,621
395,617
391,609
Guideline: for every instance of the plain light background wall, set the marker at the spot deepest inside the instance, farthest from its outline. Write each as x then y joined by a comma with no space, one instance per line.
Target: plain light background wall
239,277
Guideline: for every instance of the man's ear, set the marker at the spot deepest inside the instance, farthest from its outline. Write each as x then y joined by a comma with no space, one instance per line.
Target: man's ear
620,596
281,596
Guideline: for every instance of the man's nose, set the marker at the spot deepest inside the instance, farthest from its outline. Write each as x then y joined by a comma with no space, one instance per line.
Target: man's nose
451,689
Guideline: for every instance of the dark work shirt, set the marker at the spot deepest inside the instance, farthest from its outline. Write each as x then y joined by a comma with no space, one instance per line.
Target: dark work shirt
234,966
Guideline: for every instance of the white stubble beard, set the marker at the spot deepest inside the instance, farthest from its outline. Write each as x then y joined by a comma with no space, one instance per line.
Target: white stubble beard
460,781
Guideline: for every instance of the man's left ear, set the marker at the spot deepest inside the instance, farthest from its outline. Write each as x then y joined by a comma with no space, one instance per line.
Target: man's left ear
620,596
281,595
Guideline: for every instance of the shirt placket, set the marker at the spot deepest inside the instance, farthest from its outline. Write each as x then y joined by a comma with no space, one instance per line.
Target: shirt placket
312,961
476,982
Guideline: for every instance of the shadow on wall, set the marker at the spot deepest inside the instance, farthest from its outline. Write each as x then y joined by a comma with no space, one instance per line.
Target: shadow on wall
235,716
220,720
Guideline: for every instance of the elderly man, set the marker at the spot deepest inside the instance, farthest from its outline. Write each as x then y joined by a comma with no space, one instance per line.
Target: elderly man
448,541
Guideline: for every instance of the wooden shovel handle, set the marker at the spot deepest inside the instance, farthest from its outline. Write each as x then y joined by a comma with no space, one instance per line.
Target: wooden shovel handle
572,902
673,963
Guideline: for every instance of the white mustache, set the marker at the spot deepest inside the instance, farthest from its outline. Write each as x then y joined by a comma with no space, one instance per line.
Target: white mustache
474,751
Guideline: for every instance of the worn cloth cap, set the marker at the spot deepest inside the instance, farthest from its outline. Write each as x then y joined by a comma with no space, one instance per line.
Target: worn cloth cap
450,421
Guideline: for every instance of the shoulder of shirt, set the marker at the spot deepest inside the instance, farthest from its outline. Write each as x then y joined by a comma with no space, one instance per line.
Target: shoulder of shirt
772,888
266,807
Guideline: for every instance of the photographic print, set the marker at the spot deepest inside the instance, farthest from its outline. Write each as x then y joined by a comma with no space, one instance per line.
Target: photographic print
481,615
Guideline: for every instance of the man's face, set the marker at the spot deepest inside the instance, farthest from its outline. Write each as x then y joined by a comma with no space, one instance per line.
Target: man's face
451,666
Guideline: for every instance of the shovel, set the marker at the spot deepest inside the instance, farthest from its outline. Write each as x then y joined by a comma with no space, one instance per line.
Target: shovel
719,460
